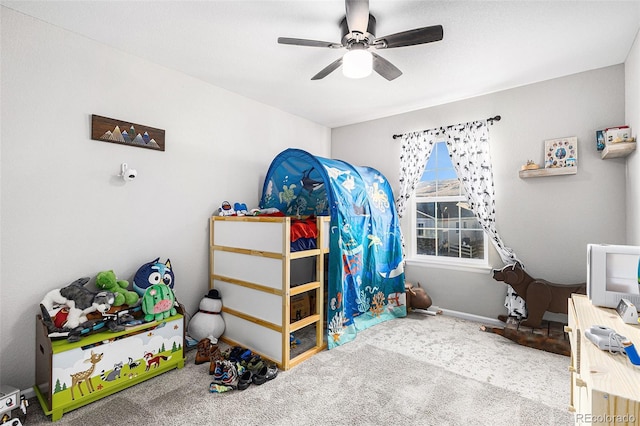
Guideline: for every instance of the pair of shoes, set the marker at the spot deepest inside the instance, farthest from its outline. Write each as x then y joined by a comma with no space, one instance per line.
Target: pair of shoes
245,380
267,372
238,354
214,355
203,347
225,373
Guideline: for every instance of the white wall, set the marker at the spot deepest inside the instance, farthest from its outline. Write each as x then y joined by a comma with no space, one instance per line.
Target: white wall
632,114
65,214
547,221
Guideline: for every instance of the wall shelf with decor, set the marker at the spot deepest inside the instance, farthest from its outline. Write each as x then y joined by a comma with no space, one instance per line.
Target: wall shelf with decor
551,171
617,150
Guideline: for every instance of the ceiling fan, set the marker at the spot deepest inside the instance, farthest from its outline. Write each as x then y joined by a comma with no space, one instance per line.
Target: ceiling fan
358,36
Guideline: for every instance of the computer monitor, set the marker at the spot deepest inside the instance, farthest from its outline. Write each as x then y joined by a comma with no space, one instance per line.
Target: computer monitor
613,273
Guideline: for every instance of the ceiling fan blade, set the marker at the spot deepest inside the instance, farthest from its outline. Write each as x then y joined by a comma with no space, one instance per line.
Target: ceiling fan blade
357,15
385,68
410,38
311,43
328,69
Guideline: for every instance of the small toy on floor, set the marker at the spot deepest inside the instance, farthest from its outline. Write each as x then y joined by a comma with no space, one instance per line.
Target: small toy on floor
190,342
417,297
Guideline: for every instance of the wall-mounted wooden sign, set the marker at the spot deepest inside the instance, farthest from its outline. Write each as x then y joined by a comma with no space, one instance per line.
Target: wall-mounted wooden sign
125,133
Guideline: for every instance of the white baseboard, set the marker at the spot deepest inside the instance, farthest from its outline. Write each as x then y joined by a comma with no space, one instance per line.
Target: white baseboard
469,317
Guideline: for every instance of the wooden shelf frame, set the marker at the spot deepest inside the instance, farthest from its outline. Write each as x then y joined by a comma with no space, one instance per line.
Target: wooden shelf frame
250,264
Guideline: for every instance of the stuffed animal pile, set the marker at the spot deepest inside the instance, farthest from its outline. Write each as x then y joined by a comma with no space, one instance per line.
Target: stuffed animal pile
64,311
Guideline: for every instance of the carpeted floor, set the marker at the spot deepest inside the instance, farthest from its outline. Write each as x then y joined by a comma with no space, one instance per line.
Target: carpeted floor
419,370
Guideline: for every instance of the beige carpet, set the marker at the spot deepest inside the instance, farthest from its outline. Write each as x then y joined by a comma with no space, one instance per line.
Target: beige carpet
419,370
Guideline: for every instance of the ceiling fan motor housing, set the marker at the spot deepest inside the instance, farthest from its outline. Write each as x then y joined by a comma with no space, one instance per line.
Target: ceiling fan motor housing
366,39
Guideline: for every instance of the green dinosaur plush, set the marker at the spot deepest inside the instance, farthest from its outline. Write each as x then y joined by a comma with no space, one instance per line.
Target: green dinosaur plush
106,280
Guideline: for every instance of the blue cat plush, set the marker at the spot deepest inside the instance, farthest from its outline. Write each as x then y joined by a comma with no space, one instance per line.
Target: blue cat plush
153,273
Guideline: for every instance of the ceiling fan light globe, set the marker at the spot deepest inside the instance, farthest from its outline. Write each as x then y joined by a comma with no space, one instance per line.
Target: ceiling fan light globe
357,64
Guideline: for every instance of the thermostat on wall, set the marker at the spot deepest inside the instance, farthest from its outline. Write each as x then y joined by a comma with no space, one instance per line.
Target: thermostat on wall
627,312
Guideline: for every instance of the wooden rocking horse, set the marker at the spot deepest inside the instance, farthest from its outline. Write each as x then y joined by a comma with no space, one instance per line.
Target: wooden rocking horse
540,295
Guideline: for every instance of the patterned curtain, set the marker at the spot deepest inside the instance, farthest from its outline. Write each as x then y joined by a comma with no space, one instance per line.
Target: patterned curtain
468,146
416,149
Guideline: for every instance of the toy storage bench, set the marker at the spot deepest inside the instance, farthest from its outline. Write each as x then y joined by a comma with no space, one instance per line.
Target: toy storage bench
71,375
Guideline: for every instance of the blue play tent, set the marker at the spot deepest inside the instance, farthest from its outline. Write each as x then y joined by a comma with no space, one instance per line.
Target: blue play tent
366,268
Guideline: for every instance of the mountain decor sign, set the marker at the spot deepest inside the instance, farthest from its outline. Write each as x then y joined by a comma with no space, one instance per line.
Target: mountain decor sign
126,133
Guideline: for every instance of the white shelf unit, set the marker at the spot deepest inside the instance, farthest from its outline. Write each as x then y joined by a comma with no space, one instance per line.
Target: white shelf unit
250,265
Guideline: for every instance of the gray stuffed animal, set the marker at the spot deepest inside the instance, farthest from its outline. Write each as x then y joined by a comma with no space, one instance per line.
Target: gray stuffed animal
80,301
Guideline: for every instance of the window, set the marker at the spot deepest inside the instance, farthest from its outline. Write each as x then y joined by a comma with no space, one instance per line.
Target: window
446,230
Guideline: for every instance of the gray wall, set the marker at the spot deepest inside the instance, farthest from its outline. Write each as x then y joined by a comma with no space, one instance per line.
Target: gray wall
547,221
65,214
632,113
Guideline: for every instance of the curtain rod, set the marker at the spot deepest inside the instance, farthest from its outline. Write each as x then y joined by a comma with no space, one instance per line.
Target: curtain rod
489,120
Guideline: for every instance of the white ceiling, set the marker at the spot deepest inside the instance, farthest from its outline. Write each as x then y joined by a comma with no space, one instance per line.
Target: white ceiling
487,46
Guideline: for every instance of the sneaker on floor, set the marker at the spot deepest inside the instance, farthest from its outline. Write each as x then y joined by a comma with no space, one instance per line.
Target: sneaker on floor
233,354
203,347
229,374
272,372
215,369
260,377
254,364
225,373
246,356
215,366
245,380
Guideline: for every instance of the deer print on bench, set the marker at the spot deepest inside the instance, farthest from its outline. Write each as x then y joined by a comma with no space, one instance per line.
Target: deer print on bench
85,376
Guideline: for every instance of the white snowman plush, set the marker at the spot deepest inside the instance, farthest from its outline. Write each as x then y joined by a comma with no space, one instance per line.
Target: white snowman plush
207,322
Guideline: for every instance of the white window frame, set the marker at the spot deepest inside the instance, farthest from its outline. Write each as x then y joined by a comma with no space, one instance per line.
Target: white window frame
442,261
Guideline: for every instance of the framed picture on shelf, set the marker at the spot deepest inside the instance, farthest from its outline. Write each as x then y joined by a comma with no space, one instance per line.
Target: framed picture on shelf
562,152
